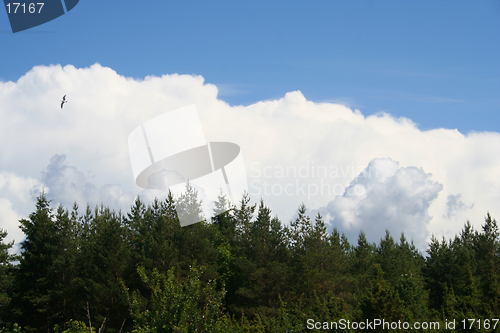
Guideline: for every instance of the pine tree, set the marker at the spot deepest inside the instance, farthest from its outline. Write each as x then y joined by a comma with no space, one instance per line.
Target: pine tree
35,280
381,300
261,265
362,261
223,219
66,295
244,216
340,262
299,229
386,256
437,272
240,294
410,283
6,277
151,231
188,206
487,249
104,263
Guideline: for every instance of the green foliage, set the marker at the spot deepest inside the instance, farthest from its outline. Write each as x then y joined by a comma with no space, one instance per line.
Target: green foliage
73,326
6,275
15,328
241,270
462,274
177,306
188,206
104,262
35,280
381,300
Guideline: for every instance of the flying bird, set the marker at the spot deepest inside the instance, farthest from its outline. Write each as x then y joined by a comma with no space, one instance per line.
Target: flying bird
63,101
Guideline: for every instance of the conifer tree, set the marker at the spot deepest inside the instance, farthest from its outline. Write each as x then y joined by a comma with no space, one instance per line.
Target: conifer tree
386,256
35,281
6,276
153,235
487,248
299,229
381,300
410,283
340,261
66,293
188,206
104,264
437,272
362,261
224,220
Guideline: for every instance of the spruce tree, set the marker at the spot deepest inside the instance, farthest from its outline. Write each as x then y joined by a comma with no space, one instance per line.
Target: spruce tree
381,300
487,249
36,282
104,264
7,272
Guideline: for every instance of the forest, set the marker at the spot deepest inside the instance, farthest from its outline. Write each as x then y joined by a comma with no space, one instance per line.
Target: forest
242,270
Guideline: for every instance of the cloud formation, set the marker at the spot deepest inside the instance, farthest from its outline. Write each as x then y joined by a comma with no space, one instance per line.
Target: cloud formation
385,196
455,205
16,195
68,185
295,151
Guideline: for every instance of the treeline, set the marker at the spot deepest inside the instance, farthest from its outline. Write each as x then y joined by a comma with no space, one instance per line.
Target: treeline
241,271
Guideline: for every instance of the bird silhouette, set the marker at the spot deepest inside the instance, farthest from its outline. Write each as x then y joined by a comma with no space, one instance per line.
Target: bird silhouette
63,101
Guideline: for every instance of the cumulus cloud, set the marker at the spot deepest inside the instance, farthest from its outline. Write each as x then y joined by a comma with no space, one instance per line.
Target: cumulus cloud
16,194
385,196
9,221
295,150
454,205
67,185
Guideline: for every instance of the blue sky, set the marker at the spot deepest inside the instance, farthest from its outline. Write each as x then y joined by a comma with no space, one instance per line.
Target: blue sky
435,62
281,79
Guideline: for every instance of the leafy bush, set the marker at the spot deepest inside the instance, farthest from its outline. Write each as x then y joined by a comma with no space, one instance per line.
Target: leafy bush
176,305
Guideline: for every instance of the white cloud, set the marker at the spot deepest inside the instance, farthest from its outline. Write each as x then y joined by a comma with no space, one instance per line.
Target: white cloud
454,205
67,185
9,221
385,196
16,194
278,139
